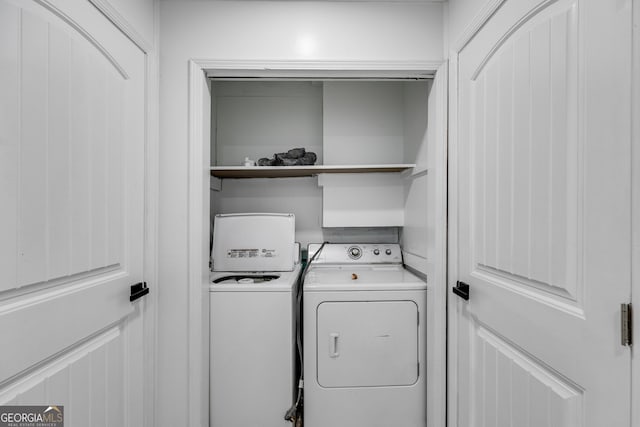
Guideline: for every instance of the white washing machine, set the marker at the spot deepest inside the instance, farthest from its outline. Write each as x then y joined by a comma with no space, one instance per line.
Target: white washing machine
252,320
364,338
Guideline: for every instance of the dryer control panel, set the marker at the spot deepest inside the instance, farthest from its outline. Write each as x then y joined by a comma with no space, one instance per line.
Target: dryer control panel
360,253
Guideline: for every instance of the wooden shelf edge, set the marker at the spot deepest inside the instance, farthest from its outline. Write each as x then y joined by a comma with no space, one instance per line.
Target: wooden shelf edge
301,171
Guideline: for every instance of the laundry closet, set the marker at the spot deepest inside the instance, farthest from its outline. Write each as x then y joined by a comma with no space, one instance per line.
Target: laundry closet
378,137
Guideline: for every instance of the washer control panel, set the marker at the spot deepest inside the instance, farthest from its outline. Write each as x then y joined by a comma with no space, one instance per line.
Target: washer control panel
365,253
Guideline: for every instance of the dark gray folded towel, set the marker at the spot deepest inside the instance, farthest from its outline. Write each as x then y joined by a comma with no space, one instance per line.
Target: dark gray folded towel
293,157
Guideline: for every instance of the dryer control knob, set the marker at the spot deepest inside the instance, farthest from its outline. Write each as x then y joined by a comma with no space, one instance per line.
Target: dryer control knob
388,252
354,252
376,251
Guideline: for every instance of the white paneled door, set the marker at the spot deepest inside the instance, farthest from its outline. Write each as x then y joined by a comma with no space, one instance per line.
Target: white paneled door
543,208
71,212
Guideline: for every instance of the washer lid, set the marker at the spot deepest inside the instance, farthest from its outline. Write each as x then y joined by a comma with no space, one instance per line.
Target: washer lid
254,242
361,277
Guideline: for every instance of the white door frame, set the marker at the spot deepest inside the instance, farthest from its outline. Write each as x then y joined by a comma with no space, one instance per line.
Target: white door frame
489,8
198,199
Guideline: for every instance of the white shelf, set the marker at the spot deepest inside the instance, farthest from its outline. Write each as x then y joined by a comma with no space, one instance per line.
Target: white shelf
300,171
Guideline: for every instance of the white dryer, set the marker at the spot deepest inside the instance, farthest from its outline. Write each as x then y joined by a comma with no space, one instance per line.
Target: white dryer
252,320
364,338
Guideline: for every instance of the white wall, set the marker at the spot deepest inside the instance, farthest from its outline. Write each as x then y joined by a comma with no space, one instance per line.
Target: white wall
259,118
460,14
292,31
300,196
415,124
303,30
363,123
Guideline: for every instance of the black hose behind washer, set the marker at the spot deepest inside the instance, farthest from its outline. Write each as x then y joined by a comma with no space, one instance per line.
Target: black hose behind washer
293,414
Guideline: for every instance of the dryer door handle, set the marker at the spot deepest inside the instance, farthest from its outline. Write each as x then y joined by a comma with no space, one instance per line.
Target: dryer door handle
333,344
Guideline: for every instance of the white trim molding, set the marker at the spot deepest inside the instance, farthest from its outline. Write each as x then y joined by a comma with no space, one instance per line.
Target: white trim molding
319,69
452,238
440,287
197,261
152,160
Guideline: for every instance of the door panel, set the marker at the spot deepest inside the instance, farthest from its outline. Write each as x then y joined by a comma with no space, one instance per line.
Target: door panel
367,343
82,380
9,134
513,386
63,175
544,216
526,158
72,160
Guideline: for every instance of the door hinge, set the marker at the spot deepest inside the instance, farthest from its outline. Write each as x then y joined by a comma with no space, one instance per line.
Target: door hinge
626,325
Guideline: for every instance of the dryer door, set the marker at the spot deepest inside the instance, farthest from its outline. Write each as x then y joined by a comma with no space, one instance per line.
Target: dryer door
367,343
